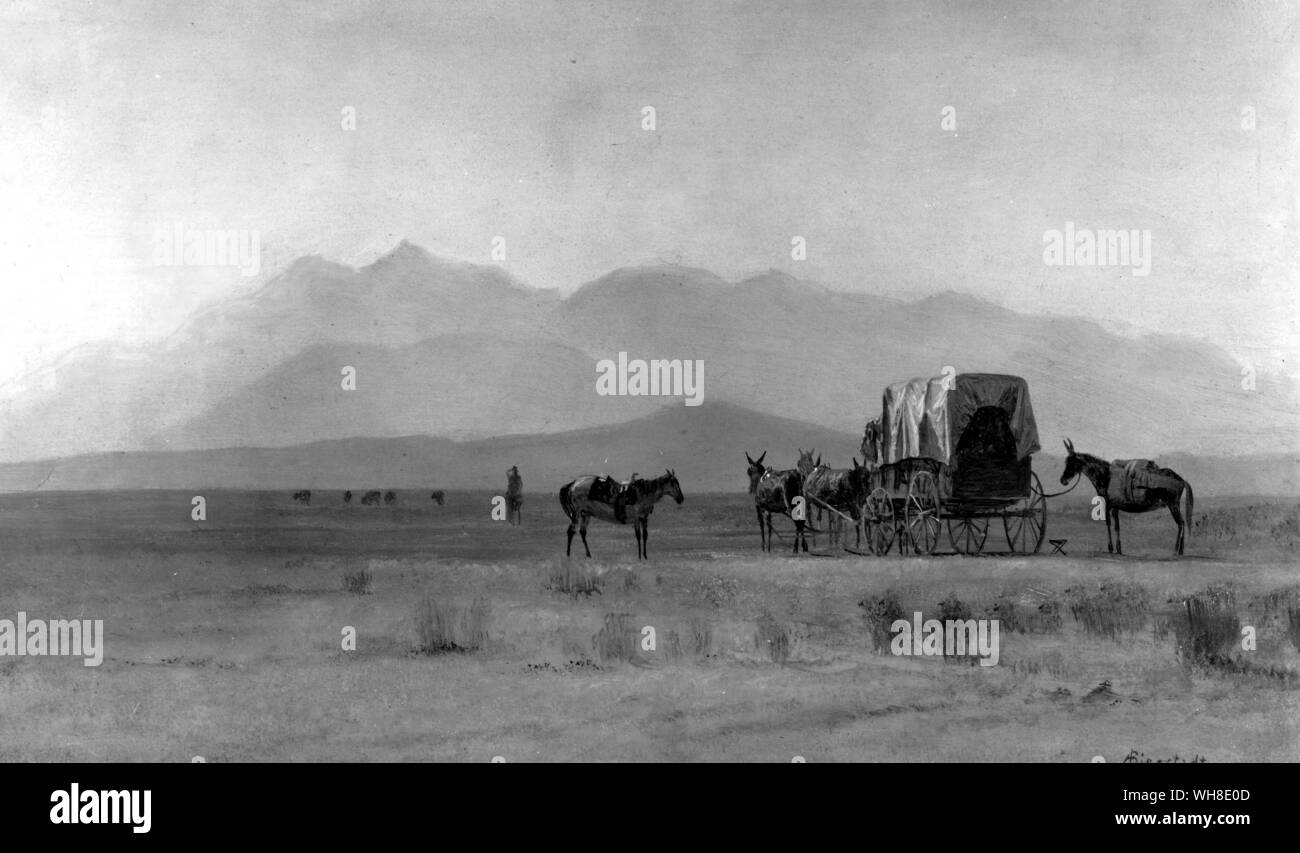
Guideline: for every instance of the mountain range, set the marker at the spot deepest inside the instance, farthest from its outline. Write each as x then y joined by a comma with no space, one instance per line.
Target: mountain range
457,352
706,446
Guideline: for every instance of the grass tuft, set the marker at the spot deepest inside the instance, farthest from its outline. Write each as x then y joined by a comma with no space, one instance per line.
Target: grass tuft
445,628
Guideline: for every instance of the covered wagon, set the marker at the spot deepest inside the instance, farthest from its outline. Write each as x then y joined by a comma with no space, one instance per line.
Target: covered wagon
954,451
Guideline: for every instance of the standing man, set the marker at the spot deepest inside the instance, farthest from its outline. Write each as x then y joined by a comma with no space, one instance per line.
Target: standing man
514,496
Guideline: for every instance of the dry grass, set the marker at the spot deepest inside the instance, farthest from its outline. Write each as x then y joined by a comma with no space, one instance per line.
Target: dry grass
772,638
1112,610
441,628
881,612
618,639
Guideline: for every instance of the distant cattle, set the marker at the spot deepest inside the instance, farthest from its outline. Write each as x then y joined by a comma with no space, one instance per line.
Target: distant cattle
370,499
390,498
347,497
437,496
303,497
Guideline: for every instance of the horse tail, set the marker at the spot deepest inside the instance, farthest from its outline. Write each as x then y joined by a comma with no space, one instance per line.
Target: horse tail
566,502
1187,488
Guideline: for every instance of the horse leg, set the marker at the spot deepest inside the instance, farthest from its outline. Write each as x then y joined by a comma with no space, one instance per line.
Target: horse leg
645,536
1119,547
762,537
1110,546
583,530
1178,519
569,547
636,528
769,531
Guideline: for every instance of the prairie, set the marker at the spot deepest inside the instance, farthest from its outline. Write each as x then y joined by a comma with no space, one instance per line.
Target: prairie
476,639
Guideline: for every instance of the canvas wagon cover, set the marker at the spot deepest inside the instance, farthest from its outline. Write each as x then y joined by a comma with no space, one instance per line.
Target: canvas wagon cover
923,419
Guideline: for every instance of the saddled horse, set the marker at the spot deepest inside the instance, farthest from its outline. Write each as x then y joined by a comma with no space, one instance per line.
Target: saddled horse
594,496
514,495
1132,485
843,489
775,493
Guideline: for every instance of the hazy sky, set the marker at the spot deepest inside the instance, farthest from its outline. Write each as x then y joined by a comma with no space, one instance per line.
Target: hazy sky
524,120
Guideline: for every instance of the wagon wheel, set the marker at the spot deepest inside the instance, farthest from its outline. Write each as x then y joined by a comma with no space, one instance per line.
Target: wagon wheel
1026,522
967,535
921,513
878,517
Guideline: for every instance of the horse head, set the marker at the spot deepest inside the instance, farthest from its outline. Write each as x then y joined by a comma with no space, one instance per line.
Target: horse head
755,470
1073,463
674,488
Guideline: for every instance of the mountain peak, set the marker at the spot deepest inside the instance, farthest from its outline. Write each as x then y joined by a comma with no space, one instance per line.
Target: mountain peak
659,276
405,253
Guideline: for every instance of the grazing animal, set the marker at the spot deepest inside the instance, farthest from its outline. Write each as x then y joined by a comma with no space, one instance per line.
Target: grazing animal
596,496
843,489
303,497
347,497
1132,485
774,492
370,499
437,496
514,495
390,498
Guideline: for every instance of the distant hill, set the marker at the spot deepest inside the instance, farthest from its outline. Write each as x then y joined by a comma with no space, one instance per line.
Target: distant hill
456,350
706,445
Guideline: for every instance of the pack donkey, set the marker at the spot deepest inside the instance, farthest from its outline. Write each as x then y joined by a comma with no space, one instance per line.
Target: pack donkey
1132,485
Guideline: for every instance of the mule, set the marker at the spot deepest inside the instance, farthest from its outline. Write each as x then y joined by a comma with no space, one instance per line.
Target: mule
438,496
774,494
633,500
1132,485
842,489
